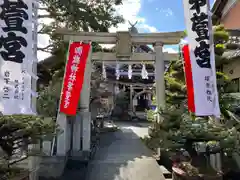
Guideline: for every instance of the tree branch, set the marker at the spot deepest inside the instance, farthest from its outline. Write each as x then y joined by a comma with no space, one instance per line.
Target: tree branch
50,15
44,16
41,30
46,49
45,9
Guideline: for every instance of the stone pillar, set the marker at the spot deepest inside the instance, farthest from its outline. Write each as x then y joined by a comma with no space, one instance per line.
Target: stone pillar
149,99
160,82
76,147
85,113
63,139
159,76
131,98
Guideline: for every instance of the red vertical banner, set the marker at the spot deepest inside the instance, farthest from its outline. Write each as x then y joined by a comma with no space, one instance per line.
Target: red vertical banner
74,76
189,78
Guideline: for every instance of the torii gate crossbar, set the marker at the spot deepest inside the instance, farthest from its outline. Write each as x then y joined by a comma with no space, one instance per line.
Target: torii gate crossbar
123,41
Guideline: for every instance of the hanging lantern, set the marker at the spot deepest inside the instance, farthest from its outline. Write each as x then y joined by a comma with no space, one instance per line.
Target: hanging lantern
144,72
104,71
130,71
117,71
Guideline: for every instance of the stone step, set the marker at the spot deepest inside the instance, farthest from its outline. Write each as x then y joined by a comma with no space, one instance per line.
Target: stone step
166,173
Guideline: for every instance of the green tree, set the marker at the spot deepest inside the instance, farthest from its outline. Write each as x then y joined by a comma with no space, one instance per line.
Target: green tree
18,131
179,128
78,15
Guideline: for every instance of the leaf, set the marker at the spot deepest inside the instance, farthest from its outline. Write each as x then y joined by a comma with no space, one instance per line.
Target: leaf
25,128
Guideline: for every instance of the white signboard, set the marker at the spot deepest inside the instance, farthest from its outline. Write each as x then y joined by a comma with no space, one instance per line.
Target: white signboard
16,56
201,48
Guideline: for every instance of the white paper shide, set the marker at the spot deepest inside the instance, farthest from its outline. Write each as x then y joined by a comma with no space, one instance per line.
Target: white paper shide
16,56
201,47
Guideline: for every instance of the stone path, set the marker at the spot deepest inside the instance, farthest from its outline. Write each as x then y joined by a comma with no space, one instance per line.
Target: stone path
122,156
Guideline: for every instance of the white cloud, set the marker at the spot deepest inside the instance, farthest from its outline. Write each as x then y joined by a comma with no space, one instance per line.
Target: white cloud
183,41
169,50
167,12
129,10
43,39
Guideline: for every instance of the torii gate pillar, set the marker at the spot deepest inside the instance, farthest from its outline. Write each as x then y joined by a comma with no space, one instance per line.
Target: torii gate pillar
159,76
82,125
124,42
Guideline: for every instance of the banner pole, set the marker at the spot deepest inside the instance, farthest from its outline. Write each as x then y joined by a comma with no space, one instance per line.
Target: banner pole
58,110
216,161
212,45
34,161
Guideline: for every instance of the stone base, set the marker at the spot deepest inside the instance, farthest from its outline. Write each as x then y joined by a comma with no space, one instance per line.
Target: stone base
47,167
52,166
80,155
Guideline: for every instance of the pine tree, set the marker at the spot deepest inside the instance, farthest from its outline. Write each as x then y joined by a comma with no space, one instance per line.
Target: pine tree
180,129
78,15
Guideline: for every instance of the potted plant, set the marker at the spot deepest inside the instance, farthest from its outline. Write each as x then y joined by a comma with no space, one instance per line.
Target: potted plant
186,171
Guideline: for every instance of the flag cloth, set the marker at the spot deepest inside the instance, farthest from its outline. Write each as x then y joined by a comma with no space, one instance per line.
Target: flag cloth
74,77
200,59
16,57
188,77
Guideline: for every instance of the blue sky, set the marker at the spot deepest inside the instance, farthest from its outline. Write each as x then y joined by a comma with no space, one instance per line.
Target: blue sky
164,15
154,16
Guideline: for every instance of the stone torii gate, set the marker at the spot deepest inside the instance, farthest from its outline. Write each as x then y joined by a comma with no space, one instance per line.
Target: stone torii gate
124,42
